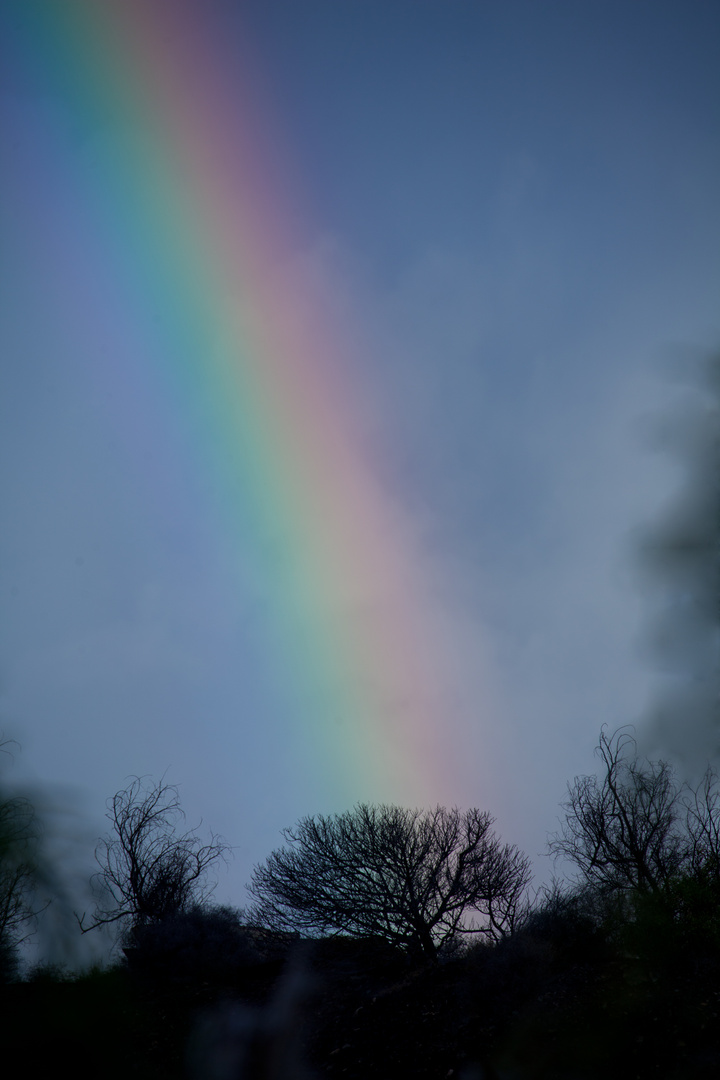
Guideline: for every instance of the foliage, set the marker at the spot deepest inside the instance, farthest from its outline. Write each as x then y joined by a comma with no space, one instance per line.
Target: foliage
149,871
209,943
408,876
570,919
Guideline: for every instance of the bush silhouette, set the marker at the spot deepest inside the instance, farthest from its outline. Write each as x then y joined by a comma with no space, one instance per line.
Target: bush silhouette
202,943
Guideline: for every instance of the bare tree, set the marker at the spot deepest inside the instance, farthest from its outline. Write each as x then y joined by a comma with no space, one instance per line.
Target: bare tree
625,830
147,869
21,870
19,838
702,806
411,877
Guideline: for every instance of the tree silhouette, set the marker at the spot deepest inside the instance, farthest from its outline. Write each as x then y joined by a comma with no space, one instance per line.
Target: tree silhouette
622,831
636,828
411,877
148,870
22,872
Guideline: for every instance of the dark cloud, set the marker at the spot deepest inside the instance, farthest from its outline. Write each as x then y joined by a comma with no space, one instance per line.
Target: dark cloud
679,570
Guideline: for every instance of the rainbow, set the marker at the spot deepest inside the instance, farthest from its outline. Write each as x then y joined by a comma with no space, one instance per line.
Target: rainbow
203,244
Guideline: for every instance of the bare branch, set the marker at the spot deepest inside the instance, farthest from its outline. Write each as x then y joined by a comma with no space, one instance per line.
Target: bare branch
408,876
624,830
702,806
149,870
20,865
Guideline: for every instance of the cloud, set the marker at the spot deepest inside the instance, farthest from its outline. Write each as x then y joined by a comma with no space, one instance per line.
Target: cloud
678,563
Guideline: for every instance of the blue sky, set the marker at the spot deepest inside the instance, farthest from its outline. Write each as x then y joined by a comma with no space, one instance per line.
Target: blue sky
516,205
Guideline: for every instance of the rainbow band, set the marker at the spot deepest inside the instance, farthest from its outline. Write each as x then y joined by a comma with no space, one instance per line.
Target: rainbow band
195,233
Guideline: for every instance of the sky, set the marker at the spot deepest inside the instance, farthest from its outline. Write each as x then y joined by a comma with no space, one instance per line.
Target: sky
331,334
